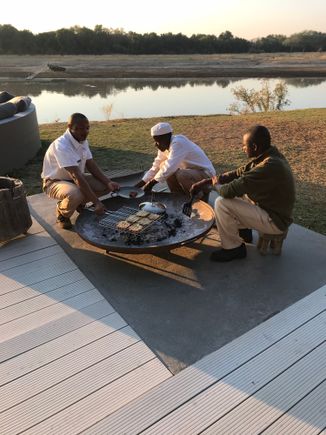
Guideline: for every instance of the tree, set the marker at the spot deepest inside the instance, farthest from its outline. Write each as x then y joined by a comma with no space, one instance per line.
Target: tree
270,43
263,100
9,38
309,40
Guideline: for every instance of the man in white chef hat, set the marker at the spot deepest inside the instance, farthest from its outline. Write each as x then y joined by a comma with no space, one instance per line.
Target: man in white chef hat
179,161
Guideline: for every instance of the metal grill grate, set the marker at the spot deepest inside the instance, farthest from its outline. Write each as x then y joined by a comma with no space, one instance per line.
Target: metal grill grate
114,217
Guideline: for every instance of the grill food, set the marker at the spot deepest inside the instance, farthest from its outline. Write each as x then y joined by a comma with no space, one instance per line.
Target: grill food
123,225
135,228
132,218
142,213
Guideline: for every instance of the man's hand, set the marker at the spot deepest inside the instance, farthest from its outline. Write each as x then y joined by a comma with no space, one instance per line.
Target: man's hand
113,186
201,186
140,183
99,208
149,186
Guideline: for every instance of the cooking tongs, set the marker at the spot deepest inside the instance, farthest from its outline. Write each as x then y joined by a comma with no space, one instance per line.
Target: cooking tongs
187,206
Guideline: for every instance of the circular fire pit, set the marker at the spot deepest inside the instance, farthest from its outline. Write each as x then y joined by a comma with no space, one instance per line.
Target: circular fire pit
176,228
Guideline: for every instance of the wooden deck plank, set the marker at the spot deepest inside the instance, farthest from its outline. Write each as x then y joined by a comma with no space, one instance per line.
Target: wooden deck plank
28,258
53,312
204,409
22,246
267,405
63,294
63,368
55,399
192,381
104,401
39,288
58,347
53,329
306,417
36,228
34,272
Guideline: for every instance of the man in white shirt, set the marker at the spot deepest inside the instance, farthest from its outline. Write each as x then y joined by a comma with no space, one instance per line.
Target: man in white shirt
179,162
64,175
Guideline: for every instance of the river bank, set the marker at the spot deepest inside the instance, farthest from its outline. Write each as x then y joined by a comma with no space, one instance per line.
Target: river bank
164,66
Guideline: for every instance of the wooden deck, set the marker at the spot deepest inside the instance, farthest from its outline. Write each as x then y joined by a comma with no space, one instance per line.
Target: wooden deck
70,364
271,380
67,359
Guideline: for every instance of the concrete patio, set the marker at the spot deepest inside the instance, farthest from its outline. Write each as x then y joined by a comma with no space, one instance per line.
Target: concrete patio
181,304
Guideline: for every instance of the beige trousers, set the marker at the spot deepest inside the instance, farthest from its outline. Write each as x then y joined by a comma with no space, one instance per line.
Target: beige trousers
70,196
182,180
236,213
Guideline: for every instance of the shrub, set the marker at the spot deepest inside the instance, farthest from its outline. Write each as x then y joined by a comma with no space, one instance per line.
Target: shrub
263,100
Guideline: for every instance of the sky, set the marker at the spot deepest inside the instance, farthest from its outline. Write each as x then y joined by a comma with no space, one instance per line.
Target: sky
244,18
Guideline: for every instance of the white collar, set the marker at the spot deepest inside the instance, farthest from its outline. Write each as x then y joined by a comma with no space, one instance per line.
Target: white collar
75,142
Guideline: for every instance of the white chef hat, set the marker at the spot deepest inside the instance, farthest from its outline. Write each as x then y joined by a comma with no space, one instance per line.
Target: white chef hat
161,128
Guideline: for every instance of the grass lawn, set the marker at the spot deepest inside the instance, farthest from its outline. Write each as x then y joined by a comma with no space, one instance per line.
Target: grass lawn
300,135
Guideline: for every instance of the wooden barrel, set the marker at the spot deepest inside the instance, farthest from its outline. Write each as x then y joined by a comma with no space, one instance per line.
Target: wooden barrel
15,217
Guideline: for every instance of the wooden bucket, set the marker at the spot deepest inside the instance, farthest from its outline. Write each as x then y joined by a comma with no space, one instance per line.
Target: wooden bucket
15,217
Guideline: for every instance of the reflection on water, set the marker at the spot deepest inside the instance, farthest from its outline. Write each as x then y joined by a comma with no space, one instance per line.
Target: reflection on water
108,87
106,99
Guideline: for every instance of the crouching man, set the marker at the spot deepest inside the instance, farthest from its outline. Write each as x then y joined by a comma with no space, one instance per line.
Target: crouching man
179,161
258,195
64,176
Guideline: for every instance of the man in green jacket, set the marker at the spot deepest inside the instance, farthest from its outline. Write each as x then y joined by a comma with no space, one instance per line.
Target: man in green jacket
258,195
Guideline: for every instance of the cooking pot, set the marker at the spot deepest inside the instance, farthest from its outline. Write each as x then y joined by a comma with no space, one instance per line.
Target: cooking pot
153,207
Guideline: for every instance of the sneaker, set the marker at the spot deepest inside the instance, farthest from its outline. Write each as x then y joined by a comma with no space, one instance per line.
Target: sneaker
224,255
246,235
62,221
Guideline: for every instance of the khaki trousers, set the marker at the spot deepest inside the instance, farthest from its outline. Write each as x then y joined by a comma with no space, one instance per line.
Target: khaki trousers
182,180
236,213
70,196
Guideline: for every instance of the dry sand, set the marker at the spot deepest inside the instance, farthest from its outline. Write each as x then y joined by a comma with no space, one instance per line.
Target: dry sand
160,66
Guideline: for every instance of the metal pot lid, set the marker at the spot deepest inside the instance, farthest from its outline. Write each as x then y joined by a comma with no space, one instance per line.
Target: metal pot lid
153,207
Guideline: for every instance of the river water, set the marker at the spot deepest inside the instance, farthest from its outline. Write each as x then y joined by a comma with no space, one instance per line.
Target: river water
105,99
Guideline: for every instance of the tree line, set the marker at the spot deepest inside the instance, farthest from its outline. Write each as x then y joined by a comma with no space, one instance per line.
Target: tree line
101,40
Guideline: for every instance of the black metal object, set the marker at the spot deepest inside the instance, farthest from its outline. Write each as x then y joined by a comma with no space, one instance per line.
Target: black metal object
181,229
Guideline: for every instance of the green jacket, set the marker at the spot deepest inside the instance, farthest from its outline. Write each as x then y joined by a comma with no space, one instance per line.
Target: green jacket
268,181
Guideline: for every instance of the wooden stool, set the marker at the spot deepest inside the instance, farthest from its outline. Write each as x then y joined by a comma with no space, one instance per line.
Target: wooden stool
274,241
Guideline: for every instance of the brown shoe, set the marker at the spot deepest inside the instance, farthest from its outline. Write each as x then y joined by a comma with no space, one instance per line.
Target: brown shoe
62,221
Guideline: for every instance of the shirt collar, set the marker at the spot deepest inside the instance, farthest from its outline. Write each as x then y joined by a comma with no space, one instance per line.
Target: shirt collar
264,154
74,142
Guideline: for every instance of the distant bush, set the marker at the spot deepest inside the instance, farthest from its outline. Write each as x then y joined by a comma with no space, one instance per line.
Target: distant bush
262,100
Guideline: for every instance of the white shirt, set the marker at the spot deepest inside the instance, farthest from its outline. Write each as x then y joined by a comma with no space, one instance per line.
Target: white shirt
63,152
182,154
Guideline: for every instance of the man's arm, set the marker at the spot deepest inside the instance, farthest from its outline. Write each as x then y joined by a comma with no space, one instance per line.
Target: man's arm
95,170
250,182
148,180
227,177
147,186
176,156
85,188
